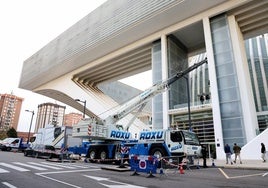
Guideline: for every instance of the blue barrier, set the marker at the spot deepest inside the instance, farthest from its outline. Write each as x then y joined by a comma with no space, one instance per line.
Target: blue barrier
143,163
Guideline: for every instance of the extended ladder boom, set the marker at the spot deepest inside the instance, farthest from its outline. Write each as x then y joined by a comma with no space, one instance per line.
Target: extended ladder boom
150,93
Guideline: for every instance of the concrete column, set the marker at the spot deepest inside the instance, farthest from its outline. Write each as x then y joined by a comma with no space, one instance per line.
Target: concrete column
165,97
214,91
247,99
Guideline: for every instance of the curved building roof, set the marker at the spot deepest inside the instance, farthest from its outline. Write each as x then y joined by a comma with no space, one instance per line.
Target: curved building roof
114,41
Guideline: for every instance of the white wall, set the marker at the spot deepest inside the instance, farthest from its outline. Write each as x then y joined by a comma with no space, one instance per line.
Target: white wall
252,150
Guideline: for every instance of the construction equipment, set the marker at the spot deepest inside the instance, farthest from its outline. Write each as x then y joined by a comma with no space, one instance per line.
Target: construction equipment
106,136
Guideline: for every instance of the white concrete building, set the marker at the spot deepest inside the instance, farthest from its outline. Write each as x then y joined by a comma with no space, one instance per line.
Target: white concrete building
125,37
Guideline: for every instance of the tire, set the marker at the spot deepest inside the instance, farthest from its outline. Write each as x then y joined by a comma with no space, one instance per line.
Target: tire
159,153
117,157
92,155
36,155
103,155
8,149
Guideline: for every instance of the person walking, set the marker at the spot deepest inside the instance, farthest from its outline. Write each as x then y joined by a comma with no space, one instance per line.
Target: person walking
263,152
237,150
204,156
228,153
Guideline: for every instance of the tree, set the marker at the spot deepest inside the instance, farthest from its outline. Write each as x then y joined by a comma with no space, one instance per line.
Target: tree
12,133
3,134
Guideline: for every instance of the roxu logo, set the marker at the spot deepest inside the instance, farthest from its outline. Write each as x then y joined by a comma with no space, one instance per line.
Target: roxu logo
120,134
176,147
151,135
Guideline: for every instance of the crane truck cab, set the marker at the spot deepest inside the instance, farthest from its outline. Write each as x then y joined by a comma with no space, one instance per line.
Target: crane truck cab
166,143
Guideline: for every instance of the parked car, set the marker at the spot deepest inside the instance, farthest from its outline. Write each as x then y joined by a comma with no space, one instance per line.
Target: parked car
4,143
40,150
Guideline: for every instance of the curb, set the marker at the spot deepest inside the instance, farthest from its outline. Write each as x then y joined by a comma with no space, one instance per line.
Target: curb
61,161
118,169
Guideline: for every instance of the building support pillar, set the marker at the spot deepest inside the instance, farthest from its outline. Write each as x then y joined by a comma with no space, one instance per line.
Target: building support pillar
165,96
248,107
214,91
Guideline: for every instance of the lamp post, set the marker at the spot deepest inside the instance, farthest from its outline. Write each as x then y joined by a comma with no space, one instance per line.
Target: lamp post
1,122
30,125
85,102
188,101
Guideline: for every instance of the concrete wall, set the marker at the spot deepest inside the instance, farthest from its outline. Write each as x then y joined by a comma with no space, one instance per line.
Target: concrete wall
252,150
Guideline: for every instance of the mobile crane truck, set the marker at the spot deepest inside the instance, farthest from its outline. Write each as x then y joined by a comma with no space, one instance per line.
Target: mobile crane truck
107,138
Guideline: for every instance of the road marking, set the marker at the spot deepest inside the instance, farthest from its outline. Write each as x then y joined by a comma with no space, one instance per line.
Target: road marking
67,171
80,166
43,174
30,166
14,167
3,171
245,176
242,176
226,176
118,184
97,178
59,165
45,165
8,185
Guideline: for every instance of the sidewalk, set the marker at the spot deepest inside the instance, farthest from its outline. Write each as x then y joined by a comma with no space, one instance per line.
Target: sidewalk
246,164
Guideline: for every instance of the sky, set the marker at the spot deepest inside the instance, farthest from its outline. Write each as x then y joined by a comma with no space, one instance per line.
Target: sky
27,26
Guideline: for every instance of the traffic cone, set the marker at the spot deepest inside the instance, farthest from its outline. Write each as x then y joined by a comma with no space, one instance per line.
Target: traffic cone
181,169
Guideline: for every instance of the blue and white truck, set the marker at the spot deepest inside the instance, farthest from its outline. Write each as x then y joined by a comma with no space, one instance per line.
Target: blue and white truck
108,140
9,144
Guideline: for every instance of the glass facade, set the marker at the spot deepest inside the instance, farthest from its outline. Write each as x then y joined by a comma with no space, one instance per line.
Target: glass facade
157,104
227,81
229,97
257,57
177,61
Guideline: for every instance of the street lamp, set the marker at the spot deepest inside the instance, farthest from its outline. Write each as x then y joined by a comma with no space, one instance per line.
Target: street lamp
85,102
188,101
30,125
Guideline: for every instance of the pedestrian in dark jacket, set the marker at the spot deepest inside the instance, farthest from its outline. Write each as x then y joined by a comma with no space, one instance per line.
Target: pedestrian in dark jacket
237,150
204,156
263,152
228,153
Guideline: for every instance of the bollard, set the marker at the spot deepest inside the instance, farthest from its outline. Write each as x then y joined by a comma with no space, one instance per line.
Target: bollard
213,164
198,166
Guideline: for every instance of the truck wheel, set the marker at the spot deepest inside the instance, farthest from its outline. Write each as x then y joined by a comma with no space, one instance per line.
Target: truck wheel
117,157
8,148
103,156
92,155
159,153
36,155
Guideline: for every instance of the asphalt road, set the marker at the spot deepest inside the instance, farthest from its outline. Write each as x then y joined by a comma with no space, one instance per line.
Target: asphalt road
17,171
